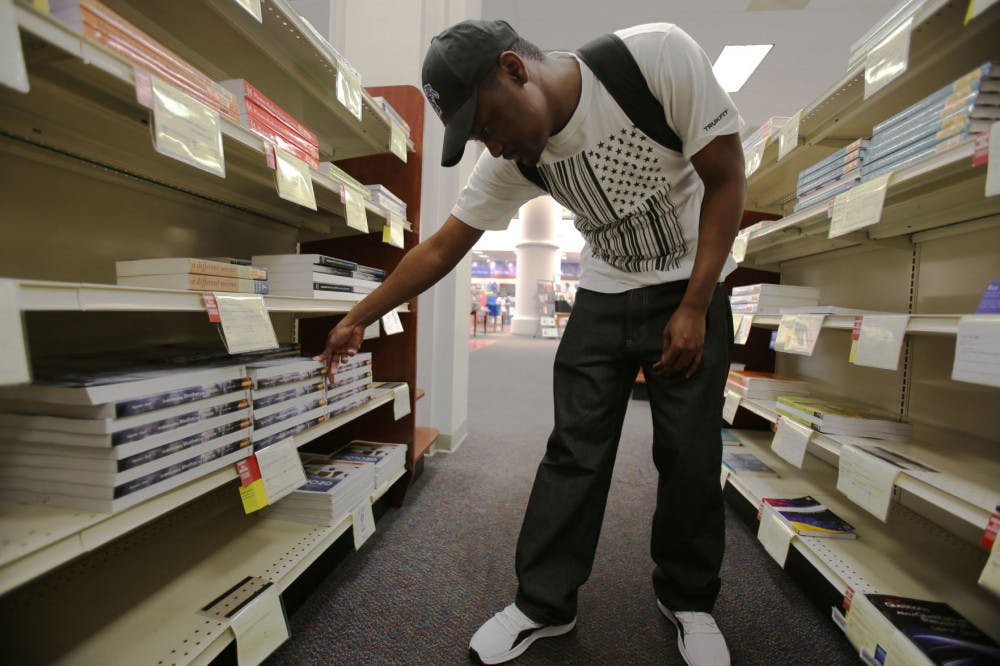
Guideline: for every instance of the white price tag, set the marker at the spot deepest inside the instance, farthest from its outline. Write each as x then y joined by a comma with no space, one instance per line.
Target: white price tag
184,128
354,206
14,368
740,244
743,332
990,578
865,625
280,469
737,321
888,60
880,341
754,157
791,440
397,140
392,232
859,207
993,163
730,406
12,70
774,535
391,323
788,136
401,400
977,7
260,627
868,481
372,331
797,334
252,8
977,350
364,523
724,476
349,91
293,180
246,325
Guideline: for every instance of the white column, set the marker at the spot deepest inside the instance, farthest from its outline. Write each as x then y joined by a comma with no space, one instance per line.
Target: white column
537,259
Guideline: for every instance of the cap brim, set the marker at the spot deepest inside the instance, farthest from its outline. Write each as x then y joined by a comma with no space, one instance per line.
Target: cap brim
457,131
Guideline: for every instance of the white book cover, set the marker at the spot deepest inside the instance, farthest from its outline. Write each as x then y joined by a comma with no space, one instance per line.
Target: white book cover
784,289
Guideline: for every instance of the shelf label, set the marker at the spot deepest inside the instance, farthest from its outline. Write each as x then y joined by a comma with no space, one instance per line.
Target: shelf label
291,177
798,334
260,626
737,321
363,519
859,207
879,341
252,8
724,476
372,331
280,469
977,7
743,332
183,128
774,535
211,307
13,73
392,232
981,150
14,367
252,491
245,325
866,480
889,59
740,244
993,162
397,140
991,531
990,578
754,156
731,405
791,440
788,136
865,625
349,91
354,207
977,350
401,400
391,323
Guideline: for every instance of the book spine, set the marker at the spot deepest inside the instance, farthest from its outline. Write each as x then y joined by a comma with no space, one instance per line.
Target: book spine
179,468
264,102
333,262
322,286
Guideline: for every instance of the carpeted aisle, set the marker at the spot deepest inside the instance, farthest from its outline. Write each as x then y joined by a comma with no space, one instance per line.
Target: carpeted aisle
442,565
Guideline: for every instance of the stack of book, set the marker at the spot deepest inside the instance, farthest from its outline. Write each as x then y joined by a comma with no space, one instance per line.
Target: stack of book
351,386
260,115
764,385
940,121
332,490
99,24
832,175
809,517
389,459
839,417
318,276
289,396
381,196
770,298
193,274
104,441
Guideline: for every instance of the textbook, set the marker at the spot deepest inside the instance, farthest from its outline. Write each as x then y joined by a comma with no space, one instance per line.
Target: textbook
808,517
777,289
290,262
184,265
272,373
193,282
303,282
740,462
332,490
764,385
839,417
389,458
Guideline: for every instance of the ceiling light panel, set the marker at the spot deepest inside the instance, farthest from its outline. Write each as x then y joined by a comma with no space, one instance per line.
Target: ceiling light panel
737,63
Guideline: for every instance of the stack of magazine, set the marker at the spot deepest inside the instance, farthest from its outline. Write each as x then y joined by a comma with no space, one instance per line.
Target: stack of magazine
389,459
106,440
351,386
808,517
764,385
289,396
332,490
832,175
940,121
770,298
319,276
840,417
193,274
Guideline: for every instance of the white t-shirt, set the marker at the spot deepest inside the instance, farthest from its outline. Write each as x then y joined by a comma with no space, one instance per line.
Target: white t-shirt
637,204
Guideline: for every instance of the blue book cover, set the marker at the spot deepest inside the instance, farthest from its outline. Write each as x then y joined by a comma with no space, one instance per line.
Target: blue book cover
990,304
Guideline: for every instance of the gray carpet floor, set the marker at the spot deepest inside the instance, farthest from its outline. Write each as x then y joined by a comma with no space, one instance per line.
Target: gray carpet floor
443,564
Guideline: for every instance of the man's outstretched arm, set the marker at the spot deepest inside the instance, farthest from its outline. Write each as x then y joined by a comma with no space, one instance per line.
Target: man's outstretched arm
420,269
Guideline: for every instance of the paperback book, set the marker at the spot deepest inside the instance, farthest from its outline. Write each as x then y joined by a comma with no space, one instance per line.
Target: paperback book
745,463
808,517
838,417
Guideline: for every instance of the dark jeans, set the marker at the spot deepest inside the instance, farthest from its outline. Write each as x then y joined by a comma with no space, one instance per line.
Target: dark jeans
608,338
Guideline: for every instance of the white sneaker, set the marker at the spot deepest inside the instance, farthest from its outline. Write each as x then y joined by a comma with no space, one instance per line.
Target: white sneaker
698,637
508,634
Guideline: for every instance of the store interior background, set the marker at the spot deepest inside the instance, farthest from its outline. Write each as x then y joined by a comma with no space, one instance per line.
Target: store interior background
386,40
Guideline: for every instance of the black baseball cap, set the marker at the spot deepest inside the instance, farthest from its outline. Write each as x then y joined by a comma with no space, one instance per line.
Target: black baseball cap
456,61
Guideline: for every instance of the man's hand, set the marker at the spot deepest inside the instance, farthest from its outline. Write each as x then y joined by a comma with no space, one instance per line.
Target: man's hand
343,342
683,341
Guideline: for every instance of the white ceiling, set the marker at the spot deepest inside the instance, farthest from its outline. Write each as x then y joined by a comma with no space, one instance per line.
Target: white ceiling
810,51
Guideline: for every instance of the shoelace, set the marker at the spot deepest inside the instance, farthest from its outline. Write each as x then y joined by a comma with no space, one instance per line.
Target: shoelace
697,623
511,623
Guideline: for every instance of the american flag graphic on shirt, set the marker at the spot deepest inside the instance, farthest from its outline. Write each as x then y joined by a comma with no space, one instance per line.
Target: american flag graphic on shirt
622,202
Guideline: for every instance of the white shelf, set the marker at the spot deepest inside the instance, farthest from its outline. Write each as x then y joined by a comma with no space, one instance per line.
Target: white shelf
42,295
37,539
909,556
918,324
966,487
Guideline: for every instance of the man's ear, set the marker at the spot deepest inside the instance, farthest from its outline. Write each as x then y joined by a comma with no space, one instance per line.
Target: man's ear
514,67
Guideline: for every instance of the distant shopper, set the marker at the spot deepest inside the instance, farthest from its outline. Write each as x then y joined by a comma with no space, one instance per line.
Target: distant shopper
653,170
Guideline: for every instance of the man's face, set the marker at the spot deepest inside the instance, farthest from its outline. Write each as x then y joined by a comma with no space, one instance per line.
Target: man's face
511,120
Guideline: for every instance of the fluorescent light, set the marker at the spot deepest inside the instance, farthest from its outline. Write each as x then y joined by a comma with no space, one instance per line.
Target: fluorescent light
737,63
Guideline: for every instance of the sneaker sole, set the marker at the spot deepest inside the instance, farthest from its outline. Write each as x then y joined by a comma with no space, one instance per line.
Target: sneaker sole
677,625
517,651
